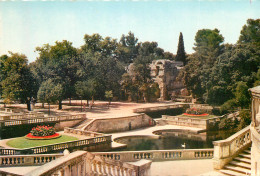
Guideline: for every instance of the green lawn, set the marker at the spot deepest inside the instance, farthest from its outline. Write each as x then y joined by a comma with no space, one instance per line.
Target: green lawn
22,142
199,117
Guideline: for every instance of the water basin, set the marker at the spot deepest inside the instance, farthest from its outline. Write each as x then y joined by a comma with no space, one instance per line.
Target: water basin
173,139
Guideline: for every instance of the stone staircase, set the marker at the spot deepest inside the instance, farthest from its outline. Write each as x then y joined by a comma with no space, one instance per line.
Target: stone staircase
240,165
83,124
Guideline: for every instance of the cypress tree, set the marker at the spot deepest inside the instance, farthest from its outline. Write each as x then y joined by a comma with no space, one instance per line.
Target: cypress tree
181,55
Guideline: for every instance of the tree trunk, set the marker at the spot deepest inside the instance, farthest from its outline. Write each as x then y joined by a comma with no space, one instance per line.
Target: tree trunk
70,102
60,104
87,102
42,105
4,105
81,105
28,105
49,108
92,99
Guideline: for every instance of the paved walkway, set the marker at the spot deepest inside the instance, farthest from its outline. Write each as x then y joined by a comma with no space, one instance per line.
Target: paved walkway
203,167
99,110
22,170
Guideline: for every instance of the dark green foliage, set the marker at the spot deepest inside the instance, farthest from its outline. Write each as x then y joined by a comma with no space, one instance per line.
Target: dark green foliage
181,55
218,73
17,83
250,33
245,120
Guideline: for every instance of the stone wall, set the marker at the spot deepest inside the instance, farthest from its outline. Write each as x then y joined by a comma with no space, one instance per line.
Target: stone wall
120,124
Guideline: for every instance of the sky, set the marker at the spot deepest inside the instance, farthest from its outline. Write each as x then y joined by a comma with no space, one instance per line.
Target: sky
27,25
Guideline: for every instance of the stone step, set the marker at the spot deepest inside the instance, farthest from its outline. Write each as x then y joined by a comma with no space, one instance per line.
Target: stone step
230,172
245,160
238,169
240,164
247,151
244,155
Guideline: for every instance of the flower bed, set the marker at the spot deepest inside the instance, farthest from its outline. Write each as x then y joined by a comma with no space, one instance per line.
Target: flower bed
42,132
54,136
195,112
199,115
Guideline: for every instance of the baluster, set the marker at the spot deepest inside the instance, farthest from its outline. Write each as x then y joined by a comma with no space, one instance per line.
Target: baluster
94,167
104,168
113,170
118,170
122,171
3,161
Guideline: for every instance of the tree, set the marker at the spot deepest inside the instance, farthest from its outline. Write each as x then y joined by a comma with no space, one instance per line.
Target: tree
83,91
59,63
196,74
17,83
49,92
242,95
181,55
128,48
109,95
208,43
250,33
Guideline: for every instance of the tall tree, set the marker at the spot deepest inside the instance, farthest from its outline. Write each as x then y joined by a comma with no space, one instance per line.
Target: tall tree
59,63
250,32
17,82
181,55
196,74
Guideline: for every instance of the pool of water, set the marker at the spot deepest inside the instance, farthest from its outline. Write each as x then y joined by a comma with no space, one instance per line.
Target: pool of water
173,140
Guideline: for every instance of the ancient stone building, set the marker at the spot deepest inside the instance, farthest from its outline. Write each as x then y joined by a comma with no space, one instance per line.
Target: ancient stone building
165,72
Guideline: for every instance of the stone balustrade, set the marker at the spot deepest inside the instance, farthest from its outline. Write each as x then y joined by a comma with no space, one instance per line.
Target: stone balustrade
84,164
158,155
10,120
82,132
226,150
27,160
159,108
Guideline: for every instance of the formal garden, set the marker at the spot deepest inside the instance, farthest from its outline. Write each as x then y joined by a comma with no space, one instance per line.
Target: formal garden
40,136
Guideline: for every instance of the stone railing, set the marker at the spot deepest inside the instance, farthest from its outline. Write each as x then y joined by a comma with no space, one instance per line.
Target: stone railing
19,120
89,144
226,150
158,155
85,163
81,132
27,160
119,124
159,108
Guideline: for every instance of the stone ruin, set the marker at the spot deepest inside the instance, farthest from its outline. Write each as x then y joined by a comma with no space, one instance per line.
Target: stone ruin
165,73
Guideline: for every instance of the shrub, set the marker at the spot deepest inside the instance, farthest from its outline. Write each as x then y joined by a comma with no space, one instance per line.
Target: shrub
245,120
42,131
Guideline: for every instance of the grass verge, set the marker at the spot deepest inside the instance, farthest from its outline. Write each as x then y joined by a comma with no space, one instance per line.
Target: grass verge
22,142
